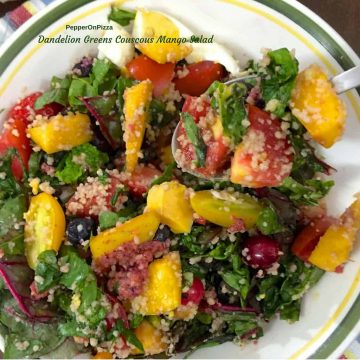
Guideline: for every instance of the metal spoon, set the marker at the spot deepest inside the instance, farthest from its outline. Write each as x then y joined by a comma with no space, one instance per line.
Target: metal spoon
342,82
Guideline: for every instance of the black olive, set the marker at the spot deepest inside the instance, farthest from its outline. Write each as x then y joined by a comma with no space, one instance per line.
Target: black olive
79,230
162,234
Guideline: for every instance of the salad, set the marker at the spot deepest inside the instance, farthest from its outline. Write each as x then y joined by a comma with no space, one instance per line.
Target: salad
107,247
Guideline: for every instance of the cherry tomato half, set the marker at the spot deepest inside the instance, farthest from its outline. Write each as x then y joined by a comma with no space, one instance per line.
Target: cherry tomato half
143,68
198,77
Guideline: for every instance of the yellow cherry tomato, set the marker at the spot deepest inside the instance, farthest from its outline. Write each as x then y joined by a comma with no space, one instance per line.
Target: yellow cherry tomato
44,227
223,208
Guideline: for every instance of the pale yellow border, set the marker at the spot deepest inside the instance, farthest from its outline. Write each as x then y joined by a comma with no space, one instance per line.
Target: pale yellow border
299,36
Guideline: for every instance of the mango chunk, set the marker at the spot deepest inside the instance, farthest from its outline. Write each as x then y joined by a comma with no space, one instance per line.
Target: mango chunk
136,110
315,103
142,228
223,208
62,132
44,227
162,292
171,202
334,247
151,339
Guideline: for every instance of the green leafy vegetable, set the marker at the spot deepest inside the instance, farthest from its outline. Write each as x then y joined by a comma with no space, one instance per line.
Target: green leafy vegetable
128,334
25,337
121,16
82,159
11,213
12,207
193,133
204,318
237,277
278,78
305,164
136,320
58,93
122,84
108,219
81,87
76,283
159,116
167,175
268,221
229,101
48,270
283,293
9,186
105,111
242,323
34,164
308,194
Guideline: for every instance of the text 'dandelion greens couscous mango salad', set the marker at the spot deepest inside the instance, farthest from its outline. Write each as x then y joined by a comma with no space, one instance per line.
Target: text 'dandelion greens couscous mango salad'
108,247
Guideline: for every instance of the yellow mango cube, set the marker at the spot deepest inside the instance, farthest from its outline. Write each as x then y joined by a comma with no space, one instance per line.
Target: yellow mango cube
315,103
136,110
334,247
62,132
162,292
142,228
171,202
151,339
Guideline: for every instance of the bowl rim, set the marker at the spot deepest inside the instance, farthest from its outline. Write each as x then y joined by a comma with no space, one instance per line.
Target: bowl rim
310,22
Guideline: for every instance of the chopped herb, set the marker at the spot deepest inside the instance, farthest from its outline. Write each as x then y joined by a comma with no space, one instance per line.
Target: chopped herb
278,79
193,133
167,175
308,194
229,101
58,93
121,16
81,160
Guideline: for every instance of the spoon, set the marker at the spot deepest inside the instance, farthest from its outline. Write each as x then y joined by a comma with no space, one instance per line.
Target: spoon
342,82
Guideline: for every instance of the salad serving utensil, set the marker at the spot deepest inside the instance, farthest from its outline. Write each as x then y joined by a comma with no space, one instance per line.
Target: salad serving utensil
342,82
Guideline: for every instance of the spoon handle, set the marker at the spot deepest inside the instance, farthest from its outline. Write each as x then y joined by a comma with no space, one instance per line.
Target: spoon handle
347,80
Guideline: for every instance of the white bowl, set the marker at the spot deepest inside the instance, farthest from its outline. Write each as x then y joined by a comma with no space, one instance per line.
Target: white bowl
331,310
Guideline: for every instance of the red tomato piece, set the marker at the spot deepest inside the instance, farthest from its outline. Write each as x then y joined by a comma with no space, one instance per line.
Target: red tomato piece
217,153
143,68
308,238
216,156
196,107
194,294
140,180
26,107
198,77
14,136
264,158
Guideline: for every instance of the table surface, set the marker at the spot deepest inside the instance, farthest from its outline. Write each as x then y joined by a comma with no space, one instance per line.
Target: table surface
342,15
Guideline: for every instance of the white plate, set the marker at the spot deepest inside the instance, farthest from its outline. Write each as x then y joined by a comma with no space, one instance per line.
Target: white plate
331,310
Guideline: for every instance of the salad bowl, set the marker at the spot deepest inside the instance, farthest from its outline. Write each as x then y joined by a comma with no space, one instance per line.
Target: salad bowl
330,315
